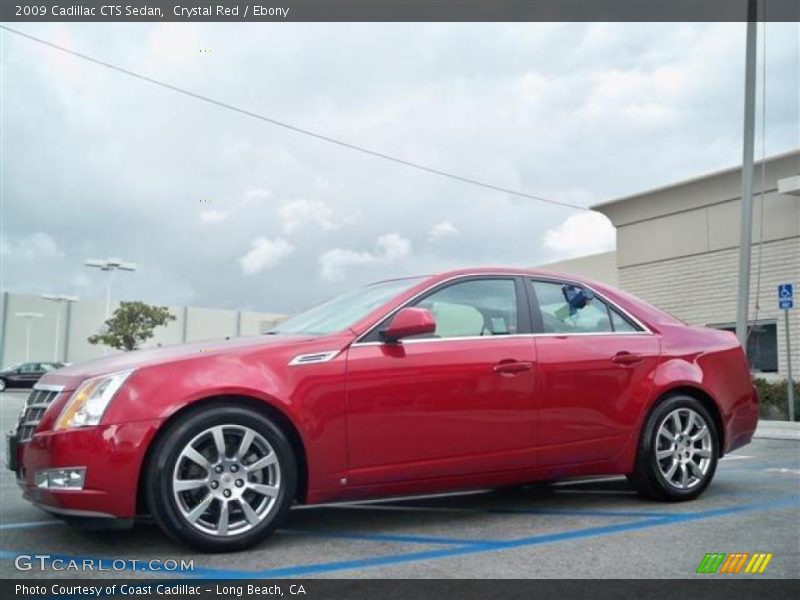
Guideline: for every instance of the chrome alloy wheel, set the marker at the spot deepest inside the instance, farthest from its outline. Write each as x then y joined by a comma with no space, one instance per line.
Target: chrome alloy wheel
226,480
683,448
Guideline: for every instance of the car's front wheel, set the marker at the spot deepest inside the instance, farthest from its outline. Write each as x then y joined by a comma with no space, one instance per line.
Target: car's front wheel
678,451
221,479
2,385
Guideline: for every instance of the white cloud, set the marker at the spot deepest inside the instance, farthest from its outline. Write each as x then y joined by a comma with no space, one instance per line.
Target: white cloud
265,254
254,195
388,248
297,214
441,230
34,246
393,247
580,234
213,216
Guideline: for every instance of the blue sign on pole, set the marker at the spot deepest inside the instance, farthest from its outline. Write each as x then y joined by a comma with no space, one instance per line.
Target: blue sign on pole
785,296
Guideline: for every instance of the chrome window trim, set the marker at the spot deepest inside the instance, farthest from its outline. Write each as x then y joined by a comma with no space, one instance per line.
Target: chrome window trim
502,337
450,339
313,358
552,279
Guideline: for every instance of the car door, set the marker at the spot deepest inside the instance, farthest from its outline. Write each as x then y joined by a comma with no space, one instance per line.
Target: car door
29,373
594,366
456,403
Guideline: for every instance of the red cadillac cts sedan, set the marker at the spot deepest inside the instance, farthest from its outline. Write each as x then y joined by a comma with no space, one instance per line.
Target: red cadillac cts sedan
468,379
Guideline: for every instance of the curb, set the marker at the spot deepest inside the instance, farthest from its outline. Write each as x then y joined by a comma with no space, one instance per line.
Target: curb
777,430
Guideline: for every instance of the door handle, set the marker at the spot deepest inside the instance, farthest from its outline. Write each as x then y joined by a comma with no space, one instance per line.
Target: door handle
512,367
627,358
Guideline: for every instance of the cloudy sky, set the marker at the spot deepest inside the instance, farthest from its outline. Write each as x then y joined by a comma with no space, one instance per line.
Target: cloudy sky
219,209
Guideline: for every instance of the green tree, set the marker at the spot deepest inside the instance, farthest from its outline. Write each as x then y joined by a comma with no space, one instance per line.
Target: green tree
131,324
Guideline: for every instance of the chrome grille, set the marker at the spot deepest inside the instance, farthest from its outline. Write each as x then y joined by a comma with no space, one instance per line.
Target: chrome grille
35,407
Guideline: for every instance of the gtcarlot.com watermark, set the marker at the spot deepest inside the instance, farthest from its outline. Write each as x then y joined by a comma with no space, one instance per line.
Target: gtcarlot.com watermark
47,562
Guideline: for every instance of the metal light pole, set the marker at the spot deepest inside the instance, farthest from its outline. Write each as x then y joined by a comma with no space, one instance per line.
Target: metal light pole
28,316
789,380
109,265
59,299
746,231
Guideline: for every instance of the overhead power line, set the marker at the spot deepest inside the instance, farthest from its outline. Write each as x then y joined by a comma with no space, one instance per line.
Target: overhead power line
294,128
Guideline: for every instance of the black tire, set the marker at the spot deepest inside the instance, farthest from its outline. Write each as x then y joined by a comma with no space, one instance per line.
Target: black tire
166,452
648,479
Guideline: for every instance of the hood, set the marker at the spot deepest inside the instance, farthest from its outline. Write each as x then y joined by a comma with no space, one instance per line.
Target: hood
70,377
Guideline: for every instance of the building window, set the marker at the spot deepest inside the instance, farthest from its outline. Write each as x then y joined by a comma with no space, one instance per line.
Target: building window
762,345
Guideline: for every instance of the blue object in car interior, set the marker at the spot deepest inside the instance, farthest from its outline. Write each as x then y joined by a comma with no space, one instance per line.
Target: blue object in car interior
577,298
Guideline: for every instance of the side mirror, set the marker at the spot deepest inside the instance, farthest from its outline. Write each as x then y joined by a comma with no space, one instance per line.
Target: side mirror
408,322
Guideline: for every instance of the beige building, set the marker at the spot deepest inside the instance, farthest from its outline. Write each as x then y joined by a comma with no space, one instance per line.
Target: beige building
677,247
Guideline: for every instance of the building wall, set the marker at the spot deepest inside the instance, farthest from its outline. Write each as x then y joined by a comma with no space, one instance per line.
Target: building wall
600,267
83,318
254,323
701,289
678,247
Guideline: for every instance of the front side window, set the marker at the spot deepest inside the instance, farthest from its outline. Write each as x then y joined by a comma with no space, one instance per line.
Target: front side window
562,313
29,368
477,307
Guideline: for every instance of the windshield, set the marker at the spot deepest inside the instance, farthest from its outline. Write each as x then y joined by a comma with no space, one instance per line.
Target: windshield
12,366
346,310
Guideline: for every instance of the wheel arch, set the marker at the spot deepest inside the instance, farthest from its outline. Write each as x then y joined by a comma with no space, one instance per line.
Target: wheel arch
704,398
266,408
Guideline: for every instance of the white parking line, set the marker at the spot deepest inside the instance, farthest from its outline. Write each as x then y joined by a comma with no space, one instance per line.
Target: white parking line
784,471
28,524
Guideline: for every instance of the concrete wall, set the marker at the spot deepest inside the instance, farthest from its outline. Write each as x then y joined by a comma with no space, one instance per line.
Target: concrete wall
701,289
600,267
83,318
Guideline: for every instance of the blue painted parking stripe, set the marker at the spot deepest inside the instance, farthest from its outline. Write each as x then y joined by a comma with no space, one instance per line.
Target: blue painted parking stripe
522,542
487,546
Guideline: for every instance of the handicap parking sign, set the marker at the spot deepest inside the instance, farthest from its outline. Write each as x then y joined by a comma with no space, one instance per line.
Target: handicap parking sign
785,296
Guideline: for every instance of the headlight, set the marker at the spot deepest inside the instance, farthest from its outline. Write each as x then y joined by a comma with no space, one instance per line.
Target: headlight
87,405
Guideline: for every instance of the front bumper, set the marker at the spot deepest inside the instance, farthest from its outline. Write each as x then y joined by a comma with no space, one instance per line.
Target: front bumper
112,454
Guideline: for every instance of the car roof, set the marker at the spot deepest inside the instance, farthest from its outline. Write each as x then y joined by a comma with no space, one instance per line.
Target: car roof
514,271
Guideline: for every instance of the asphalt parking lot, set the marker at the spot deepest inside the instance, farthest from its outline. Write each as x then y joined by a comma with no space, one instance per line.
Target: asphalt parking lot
587,529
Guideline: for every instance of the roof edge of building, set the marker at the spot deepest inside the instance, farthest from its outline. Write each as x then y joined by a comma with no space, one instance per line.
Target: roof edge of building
684,182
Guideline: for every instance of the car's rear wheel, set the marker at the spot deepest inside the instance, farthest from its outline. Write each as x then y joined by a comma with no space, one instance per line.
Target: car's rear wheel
678,451
222,479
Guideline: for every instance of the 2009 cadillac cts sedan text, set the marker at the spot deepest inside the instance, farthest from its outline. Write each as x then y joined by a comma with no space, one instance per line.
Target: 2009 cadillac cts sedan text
479,378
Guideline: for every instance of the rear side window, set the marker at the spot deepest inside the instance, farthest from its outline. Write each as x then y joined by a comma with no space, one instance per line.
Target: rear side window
561,316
